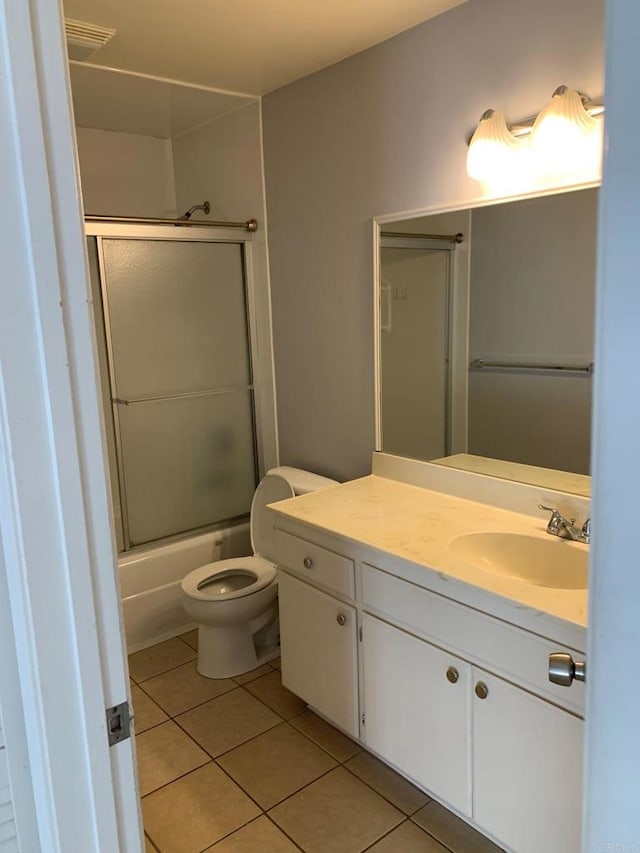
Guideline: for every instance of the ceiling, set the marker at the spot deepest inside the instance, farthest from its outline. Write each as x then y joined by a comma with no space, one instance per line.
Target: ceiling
129,103
253,46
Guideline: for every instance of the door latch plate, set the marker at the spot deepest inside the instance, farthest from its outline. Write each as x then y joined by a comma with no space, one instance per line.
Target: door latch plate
118,723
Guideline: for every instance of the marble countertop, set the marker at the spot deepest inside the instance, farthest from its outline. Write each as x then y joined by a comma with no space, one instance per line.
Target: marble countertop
418,525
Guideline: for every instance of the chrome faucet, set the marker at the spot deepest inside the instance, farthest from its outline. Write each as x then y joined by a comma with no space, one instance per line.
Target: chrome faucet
566,528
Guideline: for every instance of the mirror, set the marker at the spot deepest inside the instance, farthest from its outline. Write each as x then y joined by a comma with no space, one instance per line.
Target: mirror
485,340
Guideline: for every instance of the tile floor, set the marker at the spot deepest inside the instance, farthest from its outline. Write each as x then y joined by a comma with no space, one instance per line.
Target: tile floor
240,765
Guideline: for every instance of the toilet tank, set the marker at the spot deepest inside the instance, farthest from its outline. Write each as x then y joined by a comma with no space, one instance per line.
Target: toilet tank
302,482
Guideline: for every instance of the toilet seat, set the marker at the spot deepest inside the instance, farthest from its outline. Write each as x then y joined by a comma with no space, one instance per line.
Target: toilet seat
200,584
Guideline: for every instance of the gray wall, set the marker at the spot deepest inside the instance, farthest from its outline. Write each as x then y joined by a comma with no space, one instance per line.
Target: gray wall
384,132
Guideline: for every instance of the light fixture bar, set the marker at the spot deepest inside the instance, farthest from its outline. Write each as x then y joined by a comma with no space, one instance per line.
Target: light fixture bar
525,125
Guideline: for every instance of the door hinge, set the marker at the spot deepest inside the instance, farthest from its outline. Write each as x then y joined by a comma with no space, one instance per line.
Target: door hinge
118,723
360,633
362,719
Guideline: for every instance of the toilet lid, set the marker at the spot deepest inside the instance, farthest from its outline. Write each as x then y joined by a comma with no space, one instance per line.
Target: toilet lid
272,488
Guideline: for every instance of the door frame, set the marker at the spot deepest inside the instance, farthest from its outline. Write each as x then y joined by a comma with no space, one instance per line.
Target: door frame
56,529
260,396
427,244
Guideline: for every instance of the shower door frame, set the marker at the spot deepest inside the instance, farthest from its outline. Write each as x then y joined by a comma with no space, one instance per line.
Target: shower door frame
418,242
190,234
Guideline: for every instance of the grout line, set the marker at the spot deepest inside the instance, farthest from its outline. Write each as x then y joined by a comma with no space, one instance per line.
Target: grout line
248,740
210,847
149,839
431,835
384,797
177,779
164,671
286,834
386,835
253,737
187,710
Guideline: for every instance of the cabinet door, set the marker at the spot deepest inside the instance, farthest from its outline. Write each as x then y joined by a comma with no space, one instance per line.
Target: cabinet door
527,769
318,636
416,718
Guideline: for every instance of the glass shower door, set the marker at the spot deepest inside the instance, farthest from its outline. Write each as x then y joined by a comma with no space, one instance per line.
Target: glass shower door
414,347
181,384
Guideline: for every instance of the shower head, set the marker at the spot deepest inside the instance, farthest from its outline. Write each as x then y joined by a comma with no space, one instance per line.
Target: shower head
205,207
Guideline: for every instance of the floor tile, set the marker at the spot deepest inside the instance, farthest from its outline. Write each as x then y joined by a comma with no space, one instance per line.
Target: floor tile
228,721
159,658
145,711
453,832
259,836
276,764
165,753
387,782
183,688
336,814
196,811
408,838
270,690
246,677
335,743
191,637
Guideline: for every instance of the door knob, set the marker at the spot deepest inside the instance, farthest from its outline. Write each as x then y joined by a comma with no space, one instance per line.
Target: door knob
341,619
307,562
563,670
452,674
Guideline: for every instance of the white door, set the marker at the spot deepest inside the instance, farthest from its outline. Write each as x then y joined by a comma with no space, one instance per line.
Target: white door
527,768
318,636
56,535
415,705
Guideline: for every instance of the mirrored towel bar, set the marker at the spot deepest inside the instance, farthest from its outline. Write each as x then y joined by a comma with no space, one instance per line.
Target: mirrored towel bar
480,363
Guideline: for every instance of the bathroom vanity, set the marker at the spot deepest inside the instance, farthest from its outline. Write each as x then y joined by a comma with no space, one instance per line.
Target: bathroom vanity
417,621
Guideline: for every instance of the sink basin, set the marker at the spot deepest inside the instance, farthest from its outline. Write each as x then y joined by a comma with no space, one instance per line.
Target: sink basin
543,562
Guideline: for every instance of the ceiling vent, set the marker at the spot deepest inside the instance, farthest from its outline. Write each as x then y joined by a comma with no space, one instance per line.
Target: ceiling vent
83,39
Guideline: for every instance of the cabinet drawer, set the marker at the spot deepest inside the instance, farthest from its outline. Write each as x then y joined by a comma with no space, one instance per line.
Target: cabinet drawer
517,655
315,564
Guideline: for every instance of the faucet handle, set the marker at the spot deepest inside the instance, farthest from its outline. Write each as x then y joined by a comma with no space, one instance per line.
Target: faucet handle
586,531
555,522
555,514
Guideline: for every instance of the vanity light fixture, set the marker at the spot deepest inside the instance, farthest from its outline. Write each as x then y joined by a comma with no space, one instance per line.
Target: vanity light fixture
565,138
492,147
563,141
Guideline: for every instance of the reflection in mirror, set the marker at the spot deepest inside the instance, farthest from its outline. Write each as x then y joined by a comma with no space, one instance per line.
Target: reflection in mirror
486,346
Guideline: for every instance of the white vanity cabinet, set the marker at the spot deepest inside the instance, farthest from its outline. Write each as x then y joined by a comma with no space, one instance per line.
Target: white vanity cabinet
455,698
319,631
526,769
415,700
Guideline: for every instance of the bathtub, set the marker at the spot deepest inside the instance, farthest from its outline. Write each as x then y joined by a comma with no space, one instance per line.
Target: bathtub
150,581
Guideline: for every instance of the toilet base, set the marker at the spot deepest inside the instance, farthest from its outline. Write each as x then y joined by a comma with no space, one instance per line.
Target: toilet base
224,652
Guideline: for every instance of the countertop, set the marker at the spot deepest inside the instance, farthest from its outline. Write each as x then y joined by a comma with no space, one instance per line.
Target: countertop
417,525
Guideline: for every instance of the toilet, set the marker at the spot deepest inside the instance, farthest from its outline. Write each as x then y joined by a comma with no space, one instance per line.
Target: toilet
234,602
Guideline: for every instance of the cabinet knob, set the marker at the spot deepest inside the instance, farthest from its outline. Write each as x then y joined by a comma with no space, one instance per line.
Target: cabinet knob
563,669
307,562
482,691
341,619
452,674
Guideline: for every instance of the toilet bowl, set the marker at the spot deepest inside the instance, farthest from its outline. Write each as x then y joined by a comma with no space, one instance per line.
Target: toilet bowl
234,602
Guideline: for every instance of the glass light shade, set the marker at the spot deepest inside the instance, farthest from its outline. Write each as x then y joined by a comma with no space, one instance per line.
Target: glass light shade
494,151
565,139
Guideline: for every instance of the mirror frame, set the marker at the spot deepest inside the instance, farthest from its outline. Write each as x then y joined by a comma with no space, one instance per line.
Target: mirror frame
387,218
